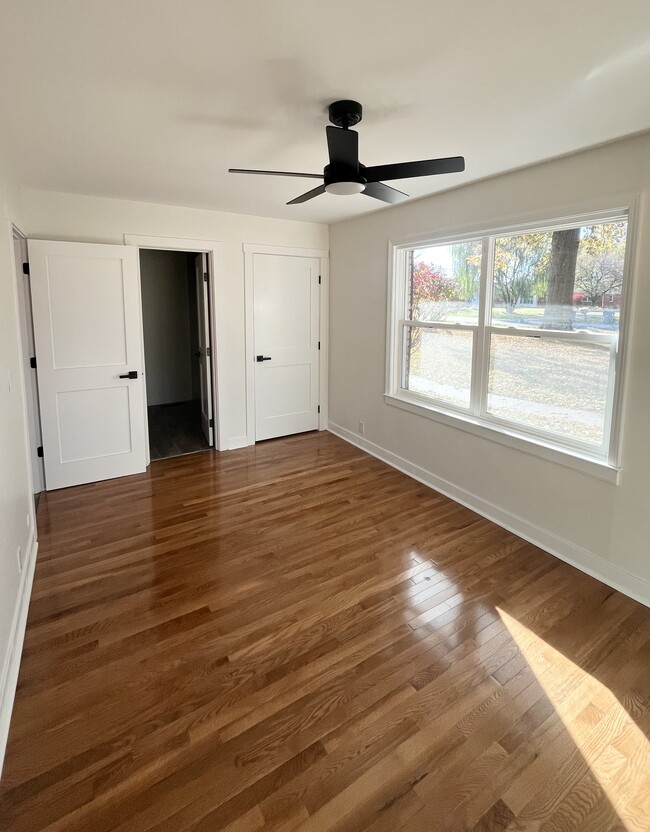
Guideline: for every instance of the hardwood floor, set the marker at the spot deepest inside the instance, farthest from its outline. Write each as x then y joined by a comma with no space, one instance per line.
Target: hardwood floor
175,429
296,636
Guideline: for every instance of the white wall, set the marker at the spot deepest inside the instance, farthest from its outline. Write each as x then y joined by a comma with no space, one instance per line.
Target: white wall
166,323
59,216
601,527
16,502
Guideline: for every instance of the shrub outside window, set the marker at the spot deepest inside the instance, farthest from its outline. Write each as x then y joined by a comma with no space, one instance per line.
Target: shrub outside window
516,331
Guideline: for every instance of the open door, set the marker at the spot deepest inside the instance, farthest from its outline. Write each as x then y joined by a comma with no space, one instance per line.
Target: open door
88,335
29,364
205,352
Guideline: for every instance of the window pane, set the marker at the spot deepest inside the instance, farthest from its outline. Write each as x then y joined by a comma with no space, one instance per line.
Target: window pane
443,283
550,384
568,280
439,364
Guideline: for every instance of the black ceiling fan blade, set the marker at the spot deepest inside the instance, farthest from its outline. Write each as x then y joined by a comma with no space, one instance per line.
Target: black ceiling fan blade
277,173
343,146
408,170
385,192
309,195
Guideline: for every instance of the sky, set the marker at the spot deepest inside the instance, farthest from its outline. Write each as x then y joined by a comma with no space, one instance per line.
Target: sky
439,256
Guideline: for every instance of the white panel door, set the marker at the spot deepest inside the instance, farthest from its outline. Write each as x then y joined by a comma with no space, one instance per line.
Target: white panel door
88,334
286,309
205,357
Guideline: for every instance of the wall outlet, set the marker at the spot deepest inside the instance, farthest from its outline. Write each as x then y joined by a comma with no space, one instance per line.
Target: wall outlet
362,428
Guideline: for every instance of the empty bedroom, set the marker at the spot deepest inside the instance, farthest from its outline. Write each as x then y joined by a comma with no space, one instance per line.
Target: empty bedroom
324,408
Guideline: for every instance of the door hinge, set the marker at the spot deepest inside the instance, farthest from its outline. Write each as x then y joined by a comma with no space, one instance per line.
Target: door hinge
211,423
39,450
319,345
32,362
25,268
319,408
208,351
205,277
319,279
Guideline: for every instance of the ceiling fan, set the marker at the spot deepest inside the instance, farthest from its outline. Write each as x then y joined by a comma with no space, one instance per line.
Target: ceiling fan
346,175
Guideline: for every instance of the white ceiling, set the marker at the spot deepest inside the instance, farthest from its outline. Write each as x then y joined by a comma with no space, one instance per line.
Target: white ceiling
154,99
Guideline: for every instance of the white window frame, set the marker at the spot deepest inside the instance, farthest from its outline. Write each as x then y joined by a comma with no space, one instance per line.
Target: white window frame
603,462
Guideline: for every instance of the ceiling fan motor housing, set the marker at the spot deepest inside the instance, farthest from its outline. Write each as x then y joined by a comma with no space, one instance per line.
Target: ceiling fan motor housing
345,113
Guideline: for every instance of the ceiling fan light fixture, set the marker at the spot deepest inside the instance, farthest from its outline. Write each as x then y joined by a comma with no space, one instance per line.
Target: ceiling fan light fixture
345,188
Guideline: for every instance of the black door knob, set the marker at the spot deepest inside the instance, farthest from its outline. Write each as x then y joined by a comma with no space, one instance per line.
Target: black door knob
263,358
130,374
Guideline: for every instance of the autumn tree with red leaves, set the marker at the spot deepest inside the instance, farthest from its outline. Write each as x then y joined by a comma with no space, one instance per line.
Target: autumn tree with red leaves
431,294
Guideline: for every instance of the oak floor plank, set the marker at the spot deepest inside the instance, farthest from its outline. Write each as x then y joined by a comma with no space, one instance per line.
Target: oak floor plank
297,637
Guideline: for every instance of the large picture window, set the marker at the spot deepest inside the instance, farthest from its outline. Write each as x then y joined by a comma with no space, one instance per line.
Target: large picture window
516,331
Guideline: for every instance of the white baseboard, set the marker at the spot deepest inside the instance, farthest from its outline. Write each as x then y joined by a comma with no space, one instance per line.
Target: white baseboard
236,442
605,571
9,677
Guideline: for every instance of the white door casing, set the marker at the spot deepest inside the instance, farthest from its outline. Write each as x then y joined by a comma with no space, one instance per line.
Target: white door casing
286,325
205,359
213,252
88,333
30,373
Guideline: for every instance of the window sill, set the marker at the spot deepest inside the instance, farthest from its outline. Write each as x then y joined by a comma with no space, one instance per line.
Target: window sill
503,436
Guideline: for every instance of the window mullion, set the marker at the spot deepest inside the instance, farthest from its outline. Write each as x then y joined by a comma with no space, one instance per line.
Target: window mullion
448,325
576,337
610,429
481,345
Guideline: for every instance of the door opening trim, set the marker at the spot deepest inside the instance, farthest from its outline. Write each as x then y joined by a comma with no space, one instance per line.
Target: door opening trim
250,249
33,428
214,251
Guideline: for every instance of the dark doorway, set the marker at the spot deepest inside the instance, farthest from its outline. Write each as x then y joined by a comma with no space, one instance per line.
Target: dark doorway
171,312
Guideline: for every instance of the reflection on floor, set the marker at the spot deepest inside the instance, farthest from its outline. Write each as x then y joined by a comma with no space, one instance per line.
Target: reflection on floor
175,429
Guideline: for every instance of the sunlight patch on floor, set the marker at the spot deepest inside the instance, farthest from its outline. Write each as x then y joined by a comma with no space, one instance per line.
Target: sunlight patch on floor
614,748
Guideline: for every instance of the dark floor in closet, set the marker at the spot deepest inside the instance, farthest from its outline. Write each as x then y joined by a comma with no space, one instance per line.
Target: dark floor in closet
175,429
